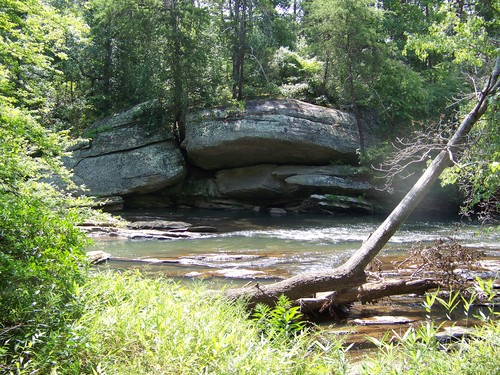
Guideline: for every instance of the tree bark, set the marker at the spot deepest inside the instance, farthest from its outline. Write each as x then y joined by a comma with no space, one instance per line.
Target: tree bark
239,19
351,273
366,293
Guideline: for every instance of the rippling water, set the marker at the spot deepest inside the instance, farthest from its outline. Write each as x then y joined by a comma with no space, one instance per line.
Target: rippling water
278,246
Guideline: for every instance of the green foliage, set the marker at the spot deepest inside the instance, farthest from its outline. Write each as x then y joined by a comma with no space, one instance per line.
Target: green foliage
459,35
41,258
478,172
296,75
465,40
400,97
34,52
137,325
346,36
281,321
478,353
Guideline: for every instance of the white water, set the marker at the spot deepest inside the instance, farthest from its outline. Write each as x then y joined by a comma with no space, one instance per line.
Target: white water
280,245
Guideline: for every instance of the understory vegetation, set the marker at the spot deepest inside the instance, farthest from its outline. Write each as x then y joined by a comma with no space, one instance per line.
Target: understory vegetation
423,349
130,324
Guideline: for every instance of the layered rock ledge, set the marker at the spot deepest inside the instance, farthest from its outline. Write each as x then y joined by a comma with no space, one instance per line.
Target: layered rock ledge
270,131
284,155
132,152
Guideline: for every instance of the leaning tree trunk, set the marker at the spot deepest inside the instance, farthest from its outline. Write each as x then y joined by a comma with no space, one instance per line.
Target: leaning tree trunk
351,273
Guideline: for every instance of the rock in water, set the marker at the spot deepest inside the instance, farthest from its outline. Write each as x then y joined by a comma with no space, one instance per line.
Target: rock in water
97,256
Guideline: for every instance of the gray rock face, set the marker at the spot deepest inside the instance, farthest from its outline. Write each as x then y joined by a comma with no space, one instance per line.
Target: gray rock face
271,154
137,127
250,183
270,131
280,183
339,203
329,184
141,170
130,153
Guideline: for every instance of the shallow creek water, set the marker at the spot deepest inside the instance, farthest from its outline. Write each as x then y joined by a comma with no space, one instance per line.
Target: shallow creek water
276,246
250,246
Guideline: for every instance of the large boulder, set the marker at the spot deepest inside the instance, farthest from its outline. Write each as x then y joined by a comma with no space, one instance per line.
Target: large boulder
278,183
141,170
270,132
132,152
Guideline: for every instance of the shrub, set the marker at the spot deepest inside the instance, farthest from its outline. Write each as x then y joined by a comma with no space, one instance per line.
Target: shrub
41,258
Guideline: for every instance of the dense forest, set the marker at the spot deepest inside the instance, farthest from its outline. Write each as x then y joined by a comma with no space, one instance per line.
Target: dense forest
417,65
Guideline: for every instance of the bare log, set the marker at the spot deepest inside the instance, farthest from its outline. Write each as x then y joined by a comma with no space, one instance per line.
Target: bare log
351,273
296,287
366,293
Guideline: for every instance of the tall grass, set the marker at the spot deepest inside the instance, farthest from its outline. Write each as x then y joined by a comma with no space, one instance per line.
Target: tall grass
480,355
129,324
419,351
136,325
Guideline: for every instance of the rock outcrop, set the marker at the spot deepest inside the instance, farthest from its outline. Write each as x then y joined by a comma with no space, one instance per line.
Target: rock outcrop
276,183
273,155
270,132
270,185
129,153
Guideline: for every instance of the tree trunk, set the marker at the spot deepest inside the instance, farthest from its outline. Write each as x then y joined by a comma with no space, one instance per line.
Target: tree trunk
366,293
177,73
351,273
239,14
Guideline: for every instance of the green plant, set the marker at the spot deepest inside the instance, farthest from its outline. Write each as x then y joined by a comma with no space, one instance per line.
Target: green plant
132,324
477,354
41,249
283,320
235,108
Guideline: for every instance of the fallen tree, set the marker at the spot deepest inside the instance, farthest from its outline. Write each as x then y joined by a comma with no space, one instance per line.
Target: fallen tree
351,275
365,293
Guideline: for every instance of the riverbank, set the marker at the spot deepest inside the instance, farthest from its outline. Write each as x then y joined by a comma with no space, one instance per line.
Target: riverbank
264,248
128,324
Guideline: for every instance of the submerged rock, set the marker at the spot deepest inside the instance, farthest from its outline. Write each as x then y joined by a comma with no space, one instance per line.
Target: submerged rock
97,256
159,224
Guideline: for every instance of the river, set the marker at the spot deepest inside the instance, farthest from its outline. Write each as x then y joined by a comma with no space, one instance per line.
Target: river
258,245
251,245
